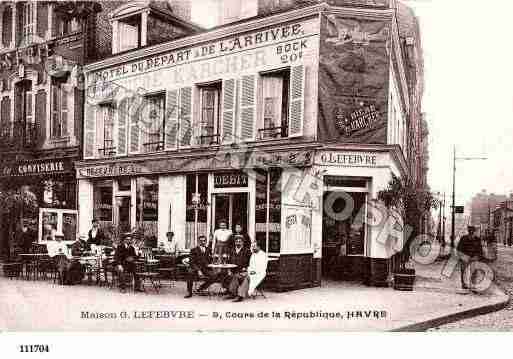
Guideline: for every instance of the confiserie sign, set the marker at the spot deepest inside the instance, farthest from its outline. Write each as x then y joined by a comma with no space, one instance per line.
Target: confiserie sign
37,167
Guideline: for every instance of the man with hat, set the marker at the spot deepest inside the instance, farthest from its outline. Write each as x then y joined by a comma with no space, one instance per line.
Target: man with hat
125,257
80,246
469,249
95,234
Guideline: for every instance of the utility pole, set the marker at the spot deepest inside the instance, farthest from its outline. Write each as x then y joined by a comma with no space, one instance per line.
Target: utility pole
453,194
443,225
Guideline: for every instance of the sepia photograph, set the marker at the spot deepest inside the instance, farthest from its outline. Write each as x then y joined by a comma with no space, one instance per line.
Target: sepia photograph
255,166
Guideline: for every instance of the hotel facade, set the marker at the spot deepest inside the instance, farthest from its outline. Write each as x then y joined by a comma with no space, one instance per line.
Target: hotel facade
288,122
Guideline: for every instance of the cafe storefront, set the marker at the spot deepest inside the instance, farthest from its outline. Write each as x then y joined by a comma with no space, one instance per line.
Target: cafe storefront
52,185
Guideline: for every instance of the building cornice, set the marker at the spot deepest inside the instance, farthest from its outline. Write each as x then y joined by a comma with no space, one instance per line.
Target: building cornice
238,28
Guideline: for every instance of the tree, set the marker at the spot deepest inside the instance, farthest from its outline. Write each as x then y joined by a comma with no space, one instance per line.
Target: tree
15,204
412,203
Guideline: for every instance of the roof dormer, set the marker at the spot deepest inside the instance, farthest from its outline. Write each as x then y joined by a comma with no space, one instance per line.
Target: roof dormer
147,22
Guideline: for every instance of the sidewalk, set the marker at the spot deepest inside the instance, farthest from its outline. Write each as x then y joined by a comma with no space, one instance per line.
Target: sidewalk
44,306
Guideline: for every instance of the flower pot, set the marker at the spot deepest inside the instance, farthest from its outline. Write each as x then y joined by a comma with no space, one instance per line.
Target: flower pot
404,279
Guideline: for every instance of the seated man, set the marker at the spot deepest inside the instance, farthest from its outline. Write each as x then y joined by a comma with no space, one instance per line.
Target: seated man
80,246
239,256
124,258
201,257
245,283
170,246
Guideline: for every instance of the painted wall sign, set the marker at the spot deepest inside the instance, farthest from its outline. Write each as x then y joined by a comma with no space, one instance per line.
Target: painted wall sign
209,50
37,167
353,80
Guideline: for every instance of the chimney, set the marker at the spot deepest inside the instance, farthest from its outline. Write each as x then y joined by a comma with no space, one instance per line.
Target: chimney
181,8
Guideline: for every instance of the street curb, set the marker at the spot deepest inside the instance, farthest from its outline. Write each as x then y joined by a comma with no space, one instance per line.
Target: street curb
453,317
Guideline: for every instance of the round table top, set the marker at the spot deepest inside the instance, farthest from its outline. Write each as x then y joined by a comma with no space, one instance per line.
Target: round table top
223,266
33,254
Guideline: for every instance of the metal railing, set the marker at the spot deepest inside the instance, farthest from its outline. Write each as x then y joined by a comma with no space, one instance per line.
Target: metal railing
20,136
272,132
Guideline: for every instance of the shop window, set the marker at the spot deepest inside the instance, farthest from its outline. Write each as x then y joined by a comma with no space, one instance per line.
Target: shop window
196,208
275,95
49,225
129,33
102,199
58,222
210,110
152,122
59,193
59,108
28,19
147,207
268,210
105,130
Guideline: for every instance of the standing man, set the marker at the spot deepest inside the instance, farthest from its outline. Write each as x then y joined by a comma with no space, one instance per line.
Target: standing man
25,238
201,257
171,245
469,250
95,234
124,258
221,240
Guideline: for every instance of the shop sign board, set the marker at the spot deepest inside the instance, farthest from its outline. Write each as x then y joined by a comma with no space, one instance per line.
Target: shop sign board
36,167
355,159
228,161
230,180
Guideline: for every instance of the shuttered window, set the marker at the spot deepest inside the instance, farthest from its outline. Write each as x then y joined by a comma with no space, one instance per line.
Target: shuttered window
185,118
59,109
89,130
248,107
122,119
152,122
135,108
275,100
171,124
105,130
209,116
29,19
228,110
297,101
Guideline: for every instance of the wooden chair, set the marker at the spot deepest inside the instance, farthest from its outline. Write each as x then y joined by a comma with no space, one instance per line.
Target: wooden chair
145,274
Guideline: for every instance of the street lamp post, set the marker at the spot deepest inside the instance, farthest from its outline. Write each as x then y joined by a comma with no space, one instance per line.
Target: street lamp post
454,158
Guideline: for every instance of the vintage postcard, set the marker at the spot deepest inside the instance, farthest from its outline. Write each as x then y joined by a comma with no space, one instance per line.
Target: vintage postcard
256,165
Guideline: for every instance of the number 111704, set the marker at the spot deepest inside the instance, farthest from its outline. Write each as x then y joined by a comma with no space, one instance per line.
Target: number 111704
37,348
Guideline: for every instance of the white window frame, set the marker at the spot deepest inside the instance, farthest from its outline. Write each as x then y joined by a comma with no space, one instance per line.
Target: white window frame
58,109
217,110
29,19
285,103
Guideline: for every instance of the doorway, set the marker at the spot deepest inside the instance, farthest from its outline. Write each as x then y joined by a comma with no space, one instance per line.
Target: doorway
343,234
231,207
123,213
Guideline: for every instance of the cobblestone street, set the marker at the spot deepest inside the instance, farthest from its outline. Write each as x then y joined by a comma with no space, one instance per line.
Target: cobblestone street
501,320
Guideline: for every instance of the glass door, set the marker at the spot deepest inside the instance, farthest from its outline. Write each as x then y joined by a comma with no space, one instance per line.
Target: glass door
232,208
123,207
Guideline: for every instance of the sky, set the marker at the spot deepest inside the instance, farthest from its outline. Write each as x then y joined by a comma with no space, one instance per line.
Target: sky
468,99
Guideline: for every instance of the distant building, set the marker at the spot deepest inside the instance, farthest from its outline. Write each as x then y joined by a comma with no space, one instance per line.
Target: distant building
481,207
503,222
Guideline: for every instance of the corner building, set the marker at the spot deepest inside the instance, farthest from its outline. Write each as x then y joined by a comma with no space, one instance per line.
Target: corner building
288,121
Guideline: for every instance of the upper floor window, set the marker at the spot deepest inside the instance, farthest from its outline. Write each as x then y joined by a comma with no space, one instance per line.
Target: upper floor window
152,120
7,27
210,111
68,26
275,102
29,19
105,130
59,109
129,33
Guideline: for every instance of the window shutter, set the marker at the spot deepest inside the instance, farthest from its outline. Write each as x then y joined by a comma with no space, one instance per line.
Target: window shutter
185,116
29,117
171,120
55,111
228,110
297,102
66,93
89,130
134,111
122,117
248,107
